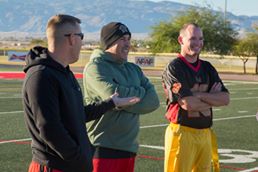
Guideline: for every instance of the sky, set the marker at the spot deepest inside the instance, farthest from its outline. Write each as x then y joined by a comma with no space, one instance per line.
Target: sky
237,7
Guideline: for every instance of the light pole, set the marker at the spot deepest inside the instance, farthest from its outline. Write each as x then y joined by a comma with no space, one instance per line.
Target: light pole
225,12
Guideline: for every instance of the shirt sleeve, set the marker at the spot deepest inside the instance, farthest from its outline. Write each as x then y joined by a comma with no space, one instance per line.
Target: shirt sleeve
214,76
175,81
97,109
103,84
150,101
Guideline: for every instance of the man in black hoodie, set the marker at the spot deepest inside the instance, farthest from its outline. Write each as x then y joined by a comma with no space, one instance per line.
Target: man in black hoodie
53,104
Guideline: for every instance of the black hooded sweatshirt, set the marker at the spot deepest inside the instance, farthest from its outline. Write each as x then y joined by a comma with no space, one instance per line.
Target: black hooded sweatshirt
55,114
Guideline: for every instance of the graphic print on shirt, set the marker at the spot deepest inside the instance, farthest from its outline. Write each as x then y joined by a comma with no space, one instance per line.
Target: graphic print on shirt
199,86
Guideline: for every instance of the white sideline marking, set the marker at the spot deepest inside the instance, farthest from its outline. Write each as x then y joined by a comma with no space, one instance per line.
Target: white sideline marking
244,98
240,89
11,112
151,126
236,117
16,140
239,82
153,147
218,119
240,98
242,111
10,97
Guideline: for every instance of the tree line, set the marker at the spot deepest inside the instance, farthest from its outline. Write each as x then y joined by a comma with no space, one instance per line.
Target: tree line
219,35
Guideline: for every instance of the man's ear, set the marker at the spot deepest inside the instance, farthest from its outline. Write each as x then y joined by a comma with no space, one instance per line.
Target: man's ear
180,40
71,40
73,37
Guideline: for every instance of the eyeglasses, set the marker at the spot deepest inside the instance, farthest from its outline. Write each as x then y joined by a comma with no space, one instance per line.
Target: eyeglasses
77,34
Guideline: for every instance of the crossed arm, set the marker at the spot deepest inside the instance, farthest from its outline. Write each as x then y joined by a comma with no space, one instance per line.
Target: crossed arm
104,84
205,100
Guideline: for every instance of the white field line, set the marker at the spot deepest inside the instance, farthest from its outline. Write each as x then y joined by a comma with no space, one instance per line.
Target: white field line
236,98
218,119
225,80
242,111
151,126
153,147
14,141
236,117
243,98
10,97
162,103
239,82
244,89
11,112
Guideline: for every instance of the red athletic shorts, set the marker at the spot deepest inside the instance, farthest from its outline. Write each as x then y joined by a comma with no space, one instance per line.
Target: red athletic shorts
113,165
36,167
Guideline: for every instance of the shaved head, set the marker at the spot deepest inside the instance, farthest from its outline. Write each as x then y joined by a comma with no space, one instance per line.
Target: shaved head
185,26
59,25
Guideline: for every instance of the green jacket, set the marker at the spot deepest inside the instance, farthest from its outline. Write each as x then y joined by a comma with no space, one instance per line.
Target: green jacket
117,129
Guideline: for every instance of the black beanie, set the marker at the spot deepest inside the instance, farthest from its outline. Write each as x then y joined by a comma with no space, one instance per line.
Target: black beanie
112,32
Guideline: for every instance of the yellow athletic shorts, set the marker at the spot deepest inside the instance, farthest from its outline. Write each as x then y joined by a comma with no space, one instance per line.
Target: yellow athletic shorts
189,150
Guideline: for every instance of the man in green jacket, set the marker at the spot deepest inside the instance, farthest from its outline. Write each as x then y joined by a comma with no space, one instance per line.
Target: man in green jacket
115,134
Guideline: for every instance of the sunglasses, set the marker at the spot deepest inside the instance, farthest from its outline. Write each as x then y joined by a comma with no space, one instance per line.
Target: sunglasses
81,35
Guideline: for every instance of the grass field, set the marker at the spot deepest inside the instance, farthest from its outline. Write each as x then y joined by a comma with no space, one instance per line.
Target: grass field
235,125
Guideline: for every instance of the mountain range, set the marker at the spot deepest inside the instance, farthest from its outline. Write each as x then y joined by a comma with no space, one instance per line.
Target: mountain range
30,16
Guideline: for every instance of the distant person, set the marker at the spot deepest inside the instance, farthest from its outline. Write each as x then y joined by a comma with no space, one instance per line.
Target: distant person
114,135
193,87
53,103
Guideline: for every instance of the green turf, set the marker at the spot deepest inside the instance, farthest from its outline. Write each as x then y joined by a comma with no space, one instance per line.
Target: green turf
238,134
7,68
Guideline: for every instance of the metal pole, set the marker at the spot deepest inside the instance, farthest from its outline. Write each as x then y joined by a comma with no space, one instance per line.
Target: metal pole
225,12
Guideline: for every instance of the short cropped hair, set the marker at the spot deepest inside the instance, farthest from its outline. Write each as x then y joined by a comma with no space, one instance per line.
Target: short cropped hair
183,29
56,23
